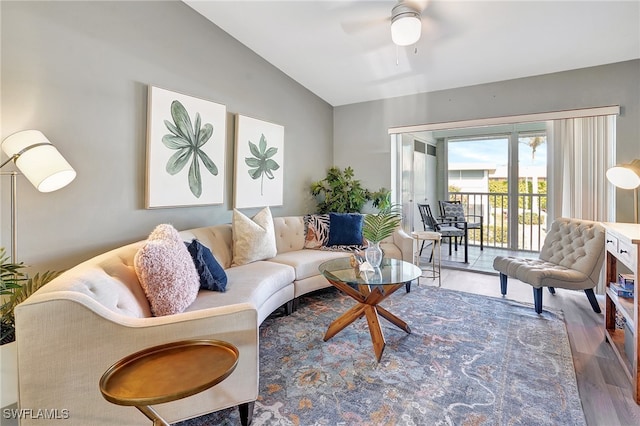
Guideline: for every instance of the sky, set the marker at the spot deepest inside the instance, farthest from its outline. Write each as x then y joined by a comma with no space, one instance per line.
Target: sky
494,151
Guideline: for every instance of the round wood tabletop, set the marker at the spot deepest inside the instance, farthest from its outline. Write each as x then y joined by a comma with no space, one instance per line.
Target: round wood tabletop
168,372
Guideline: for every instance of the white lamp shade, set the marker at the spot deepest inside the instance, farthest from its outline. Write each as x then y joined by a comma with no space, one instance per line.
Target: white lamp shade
406,30
626,176
38,160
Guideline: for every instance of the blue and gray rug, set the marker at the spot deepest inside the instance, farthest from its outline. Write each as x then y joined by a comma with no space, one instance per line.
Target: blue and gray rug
470,360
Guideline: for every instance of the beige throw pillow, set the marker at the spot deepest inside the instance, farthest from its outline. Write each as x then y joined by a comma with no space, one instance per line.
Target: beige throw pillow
253,238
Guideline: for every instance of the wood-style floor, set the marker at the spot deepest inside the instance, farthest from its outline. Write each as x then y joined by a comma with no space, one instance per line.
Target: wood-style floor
605,390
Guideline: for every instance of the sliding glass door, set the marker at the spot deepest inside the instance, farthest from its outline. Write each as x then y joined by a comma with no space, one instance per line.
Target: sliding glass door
502,177
497,172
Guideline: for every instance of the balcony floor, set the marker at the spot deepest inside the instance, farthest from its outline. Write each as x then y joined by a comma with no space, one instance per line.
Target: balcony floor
479,260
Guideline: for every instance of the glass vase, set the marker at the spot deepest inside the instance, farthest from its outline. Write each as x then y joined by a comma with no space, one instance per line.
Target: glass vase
373,254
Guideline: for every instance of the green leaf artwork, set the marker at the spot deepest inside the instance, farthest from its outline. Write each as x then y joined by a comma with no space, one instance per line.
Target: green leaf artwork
187,141
261,164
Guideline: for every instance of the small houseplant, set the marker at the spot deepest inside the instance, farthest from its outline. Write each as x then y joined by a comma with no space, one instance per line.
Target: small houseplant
378,226
15,287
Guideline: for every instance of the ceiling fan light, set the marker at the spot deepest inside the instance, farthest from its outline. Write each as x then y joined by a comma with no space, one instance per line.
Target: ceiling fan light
406,28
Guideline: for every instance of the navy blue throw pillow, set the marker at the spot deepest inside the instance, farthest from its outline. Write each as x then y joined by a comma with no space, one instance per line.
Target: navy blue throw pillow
345,229
212,275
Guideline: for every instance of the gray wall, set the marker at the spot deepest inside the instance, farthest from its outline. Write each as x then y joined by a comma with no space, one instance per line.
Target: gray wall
360,130
79,72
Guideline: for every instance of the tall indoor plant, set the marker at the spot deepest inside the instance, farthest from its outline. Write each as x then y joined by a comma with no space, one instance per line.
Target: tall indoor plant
340,192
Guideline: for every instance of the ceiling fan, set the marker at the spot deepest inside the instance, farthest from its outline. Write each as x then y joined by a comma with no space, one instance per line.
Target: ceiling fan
406,24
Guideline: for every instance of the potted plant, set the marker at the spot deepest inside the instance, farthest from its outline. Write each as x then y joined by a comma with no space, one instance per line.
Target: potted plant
15,287
378,226
339,192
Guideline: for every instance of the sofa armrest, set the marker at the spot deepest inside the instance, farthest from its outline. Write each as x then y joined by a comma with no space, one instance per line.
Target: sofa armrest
404,243
66,341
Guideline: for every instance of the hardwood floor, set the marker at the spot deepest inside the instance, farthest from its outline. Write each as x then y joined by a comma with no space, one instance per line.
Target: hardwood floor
605,391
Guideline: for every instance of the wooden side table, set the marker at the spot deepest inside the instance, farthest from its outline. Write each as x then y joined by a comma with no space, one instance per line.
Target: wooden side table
166,373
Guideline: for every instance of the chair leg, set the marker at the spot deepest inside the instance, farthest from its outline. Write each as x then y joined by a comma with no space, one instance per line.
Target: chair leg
503,284
481,239
552,290
537,299
592,299
246,413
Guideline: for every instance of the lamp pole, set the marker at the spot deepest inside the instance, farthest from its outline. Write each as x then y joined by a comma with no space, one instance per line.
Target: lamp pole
14,212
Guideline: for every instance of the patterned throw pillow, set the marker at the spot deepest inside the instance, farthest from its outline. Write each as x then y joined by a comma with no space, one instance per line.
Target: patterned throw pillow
316,230
166,272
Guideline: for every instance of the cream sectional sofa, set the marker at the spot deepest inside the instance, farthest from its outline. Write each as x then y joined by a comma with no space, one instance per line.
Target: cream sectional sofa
71,330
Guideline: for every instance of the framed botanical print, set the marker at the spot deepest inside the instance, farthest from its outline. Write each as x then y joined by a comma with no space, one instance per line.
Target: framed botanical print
186,138
259,162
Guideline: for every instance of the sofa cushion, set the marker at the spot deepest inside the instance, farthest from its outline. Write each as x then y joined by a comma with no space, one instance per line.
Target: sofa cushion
345,229
253,238
212,276
305,262
316,230
254,282
166,272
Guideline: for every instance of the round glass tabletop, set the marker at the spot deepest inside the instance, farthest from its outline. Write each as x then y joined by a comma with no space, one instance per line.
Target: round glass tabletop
391,271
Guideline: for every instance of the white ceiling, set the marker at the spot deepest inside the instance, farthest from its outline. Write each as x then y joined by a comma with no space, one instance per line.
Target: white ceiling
342,50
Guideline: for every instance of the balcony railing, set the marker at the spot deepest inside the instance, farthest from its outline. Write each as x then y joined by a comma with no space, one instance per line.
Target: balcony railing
496,217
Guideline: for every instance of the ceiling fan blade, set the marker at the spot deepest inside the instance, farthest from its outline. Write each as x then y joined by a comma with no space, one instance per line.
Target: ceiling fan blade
358,26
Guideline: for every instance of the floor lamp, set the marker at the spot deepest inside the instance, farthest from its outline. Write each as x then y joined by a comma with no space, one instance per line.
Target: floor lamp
627,176
41,163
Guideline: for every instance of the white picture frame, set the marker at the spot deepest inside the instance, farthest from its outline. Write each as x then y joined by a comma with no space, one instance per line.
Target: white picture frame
259,163
176,176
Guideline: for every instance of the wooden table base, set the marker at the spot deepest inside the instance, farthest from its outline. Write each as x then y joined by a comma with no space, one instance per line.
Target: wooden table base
368,306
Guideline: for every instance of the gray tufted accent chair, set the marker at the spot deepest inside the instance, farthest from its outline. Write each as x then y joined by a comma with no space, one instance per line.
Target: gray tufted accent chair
571,257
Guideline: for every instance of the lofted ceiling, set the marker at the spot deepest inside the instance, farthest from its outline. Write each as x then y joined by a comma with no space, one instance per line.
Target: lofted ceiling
342,50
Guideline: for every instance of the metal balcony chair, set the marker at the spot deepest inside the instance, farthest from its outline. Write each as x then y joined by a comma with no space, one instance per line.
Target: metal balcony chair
448,229
454,211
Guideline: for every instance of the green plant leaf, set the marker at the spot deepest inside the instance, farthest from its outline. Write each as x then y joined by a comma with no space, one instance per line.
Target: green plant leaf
173,129
178,160
261,164
174,142
208,163
254,150
16,287
188,141
182,120
205,134
195,181
377,227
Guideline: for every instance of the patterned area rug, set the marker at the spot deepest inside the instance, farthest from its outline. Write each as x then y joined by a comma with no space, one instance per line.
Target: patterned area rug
469,360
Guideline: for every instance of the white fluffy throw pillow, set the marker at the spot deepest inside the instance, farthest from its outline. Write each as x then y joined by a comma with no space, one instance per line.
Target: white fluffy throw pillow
253,238
166,272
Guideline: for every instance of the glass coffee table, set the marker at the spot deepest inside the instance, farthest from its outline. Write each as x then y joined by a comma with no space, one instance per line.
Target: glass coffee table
368,289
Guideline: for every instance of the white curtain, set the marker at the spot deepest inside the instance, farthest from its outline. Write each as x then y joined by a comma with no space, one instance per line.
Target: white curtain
583,149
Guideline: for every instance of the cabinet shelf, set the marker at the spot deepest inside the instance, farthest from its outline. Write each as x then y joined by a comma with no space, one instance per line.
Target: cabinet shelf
616,339
621,249
624,305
